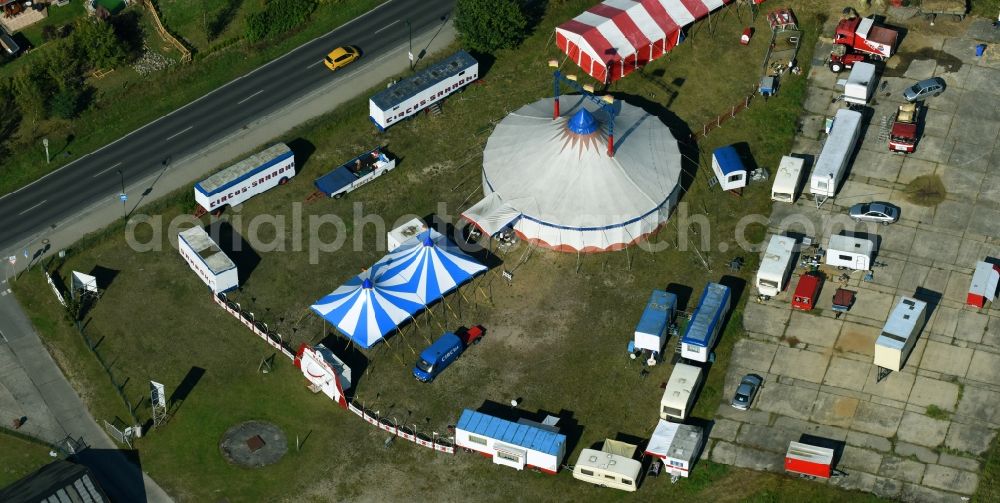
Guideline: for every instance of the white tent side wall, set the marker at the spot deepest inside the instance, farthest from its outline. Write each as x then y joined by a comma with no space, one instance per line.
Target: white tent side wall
832,161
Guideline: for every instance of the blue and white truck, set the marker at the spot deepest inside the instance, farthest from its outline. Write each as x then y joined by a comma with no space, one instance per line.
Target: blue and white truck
703,330
444,351
245,179
355,173
653,329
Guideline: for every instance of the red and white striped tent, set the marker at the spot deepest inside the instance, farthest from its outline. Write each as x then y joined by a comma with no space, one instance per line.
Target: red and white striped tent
613,38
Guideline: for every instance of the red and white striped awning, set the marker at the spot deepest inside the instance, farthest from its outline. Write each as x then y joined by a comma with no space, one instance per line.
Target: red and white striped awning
613,38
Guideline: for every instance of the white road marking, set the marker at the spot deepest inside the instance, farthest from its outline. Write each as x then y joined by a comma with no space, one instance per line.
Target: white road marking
248,97
386,27
105,170
178,133
33,207
314,64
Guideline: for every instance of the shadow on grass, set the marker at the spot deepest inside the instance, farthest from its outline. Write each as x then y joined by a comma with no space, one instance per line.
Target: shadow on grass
185,388
683,293
235,247
303,149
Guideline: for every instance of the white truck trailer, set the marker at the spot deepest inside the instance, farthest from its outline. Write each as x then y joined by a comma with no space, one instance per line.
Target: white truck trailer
703,330
205,257
251,176
899,335
775,266
832,162
680,393
786,181
412,94
860,85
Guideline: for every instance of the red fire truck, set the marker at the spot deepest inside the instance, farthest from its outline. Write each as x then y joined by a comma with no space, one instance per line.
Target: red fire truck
859,39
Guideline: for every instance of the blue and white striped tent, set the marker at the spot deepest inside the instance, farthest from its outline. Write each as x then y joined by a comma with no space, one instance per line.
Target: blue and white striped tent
418,273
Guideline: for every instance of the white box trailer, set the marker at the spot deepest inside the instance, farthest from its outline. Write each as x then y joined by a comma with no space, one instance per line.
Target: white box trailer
652,331
251,176
703,330
860,85
520,445
786,181
900,333
681,391
412,94
205,257
832,162
775,266
677,445
613,466
850,252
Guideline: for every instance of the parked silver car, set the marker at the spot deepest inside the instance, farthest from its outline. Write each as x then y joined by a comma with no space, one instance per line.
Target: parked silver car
923,89
875,211
746,391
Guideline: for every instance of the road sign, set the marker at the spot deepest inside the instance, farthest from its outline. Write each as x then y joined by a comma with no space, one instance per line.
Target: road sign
12,259
45,142
157,394
123,196
411,56
25,253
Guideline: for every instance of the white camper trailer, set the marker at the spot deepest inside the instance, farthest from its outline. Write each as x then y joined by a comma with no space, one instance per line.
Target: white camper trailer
208,260
775,266
850,252
613,466
397,236
832,162
900,333
787,179
677,445
860,85
680,393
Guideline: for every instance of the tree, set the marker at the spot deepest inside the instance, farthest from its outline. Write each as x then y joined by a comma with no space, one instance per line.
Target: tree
490,25
66,103
99,42
32,88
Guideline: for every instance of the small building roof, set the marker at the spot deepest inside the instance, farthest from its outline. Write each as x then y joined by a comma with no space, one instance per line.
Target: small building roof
840,242
56,482
674,440
729,160
521,435
901,323
657,313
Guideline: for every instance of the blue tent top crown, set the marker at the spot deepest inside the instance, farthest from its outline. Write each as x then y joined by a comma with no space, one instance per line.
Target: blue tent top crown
427,239
367,283
582,122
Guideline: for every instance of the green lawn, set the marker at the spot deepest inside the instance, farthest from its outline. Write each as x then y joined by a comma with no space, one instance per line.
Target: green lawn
202,23
20,457
556,335
58,16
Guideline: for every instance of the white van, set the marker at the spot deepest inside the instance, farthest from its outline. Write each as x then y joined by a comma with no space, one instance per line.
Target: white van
775,266
682,389
613,466
787,179
850,252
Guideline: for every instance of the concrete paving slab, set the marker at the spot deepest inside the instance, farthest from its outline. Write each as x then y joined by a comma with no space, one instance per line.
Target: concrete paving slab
946,359
971,438
858,481
981,404
759,460
936,123
937,279
858,339
876,419
765,319
920,69
793,401
989,189
943,321
847,373
878,164
986,221
834,410
813,329
859,459
753,355
984,80
992,335
859,439
922,430
910,212
985,367
800,364
974,129
896,386
902,469
725,429
950,479
921,453
897,238
887,488
927,391
934,148
872,305
913,167
935,246
723,452
960,182
952,215
962,463
853,192
814,429
958,287
912,276
924,494
768,438
818,101
971,326
744,416
970,156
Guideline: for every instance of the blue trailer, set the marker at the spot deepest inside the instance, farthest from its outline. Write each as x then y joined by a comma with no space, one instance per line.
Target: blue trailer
652,331
703,330
355,173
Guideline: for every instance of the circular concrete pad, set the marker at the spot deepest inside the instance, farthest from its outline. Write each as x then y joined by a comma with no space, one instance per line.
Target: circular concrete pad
253,444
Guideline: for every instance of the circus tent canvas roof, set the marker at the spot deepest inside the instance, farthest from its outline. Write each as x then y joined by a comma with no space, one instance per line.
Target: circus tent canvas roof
570,194
421,271
613,38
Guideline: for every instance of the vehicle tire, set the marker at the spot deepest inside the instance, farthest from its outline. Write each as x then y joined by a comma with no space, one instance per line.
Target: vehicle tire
937,94
339,195
836,67
283,180
885,222
857,220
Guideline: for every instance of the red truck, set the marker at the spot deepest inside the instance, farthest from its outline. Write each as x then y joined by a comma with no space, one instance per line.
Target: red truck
859,39
903,137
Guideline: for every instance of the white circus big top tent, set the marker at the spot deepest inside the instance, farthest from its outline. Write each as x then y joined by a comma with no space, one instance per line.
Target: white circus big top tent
553,181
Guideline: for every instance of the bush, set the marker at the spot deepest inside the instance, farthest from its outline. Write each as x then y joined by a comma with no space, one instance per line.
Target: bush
65,104
490,25
278,17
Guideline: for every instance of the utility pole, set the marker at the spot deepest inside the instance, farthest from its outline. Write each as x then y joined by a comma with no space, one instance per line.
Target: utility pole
123,196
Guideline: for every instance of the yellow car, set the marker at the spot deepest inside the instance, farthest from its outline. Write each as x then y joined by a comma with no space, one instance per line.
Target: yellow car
341,57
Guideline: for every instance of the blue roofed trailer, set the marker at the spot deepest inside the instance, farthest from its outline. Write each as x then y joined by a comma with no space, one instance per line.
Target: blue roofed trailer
412,94
355,173
520,445
652,331
729,168
247,178
703,330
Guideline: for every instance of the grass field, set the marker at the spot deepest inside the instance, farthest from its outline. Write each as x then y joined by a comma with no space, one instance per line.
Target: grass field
557,334
19,457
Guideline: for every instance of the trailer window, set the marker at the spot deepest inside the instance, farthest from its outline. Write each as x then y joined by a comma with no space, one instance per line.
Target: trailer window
781,195
611,477
626,481
735,178
425,366
670,411
845,257
767,282
477,440
508,456
587,472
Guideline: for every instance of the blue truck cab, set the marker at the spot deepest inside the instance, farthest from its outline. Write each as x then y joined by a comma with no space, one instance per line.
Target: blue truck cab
438,356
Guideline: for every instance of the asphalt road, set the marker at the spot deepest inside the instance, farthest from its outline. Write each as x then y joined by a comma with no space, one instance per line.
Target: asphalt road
53,200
